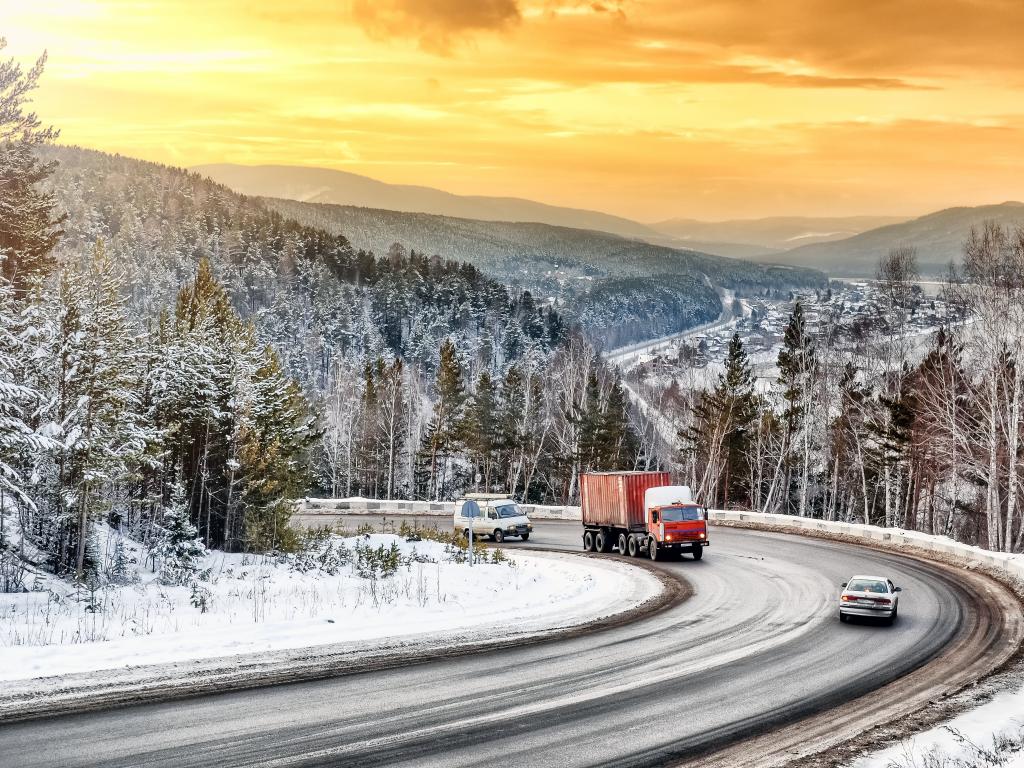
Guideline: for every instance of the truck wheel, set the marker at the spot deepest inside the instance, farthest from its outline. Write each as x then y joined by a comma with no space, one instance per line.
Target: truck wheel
622,543
498,535
652,549
633,547
601,541
525,537
698,553
588,541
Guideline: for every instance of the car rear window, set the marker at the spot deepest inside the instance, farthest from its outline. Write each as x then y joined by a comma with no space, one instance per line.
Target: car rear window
868,585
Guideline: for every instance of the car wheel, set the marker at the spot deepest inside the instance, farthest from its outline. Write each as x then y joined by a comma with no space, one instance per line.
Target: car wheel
498,535
465,534
698,552
633,547
588,541
652,550
601,542
622,543
525,537
843,617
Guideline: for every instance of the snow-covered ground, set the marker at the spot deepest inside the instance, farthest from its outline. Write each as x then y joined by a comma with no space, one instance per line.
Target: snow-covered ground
989,735
343,591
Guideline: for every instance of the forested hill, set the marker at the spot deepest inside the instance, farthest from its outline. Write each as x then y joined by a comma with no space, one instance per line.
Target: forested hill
310,293
654,289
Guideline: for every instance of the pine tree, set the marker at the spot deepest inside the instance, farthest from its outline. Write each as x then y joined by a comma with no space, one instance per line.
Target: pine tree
29,226
622,447
17,438
719,435
178,550
481,436
101,434
275,442
795,363
445,431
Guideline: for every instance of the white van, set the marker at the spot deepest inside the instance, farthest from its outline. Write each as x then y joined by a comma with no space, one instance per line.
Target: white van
491,515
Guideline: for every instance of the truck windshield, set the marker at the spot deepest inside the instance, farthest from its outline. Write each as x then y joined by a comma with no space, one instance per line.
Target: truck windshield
507,510
680,514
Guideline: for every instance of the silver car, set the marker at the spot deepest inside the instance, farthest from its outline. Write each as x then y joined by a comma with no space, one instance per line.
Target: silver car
870,597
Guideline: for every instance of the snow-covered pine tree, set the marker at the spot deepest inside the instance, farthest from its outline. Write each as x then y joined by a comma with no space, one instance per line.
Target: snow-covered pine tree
444,433
178,550
21,443
102,431
481,429
274,443
29,227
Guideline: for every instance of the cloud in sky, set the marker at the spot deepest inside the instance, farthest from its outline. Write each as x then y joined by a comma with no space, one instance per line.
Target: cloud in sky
652,109
436,23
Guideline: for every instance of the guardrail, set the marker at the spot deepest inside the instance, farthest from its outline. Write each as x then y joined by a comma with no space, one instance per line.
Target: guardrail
1011,566
357,506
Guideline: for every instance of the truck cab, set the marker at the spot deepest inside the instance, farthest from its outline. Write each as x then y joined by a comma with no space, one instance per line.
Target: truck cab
675,521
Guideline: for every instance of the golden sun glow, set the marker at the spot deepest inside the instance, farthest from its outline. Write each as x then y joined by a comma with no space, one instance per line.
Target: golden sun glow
653,109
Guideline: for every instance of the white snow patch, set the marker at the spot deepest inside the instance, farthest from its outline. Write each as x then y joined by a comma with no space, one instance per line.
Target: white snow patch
970,739
257,604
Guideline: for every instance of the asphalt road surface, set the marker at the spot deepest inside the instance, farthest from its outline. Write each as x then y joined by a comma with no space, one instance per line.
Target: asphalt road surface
758,646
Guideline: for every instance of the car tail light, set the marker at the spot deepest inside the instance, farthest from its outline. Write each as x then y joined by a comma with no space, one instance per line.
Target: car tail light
883,600
847,598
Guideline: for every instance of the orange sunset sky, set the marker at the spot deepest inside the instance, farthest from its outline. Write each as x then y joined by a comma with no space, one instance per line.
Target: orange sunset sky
711,109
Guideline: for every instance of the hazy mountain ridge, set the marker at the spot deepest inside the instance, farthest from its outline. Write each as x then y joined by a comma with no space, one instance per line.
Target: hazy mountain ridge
938,238
528,252
324,185
621,290
770,234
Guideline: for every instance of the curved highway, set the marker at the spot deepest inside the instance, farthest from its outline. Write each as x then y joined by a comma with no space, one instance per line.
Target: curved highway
757,647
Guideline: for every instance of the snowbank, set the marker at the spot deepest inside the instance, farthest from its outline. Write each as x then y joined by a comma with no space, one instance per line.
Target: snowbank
1008,567
254,605
991,734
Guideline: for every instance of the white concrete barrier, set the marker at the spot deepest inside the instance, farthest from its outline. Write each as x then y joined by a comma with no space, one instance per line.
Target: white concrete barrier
894,538
358,506
1000,563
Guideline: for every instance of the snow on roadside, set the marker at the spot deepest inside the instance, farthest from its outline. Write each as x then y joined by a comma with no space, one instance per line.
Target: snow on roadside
989,735
252,604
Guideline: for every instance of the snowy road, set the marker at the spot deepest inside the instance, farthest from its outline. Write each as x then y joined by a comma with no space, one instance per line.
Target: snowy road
758,646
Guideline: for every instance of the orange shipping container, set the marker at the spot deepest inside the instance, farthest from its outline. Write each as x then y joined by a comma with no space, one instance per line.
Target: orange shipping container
616,499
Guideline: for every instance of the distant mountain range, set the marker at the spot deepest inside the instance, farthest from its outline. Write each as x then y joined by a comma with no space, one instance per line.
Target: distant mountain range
751,238
323,185
848,246
532,254
938,238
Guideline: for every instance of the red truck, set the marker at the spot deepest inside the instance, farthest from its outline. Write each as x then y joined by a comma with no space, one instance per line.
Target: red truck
641,513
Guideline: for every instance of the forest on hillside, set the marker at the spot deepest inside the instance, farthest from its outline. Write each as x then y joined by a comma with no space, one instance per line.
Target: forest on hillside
618,290
180,363
874,423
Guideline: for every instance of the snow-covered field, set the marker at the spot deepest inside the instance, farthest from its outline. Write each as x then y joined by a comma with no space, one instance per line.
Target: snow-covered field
348,589
990,735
